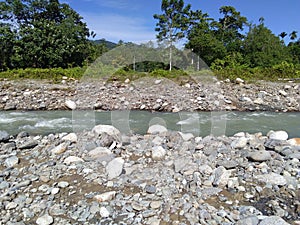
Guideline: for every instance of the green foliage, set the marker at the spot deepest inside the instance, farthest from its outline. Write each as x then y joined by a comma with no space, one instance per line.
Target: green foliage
54,74
262,48
47,34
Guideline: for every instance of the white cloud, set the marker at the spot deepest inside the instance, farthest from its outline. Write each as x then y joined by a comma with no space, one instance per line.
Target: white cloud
114,27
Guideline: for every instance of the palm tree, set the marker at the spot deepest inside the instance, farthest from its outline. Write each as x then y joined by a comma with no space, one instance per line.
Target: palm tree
283,35
293,35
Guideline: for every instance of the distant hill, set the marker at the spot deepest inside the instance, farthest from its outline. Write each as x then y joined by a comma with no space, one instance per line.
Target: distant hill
108,44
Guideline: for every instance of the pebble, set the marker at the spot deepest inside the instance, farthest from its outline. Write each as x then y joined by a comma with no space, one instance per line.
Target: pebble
158,153
73,159
45,220
11,161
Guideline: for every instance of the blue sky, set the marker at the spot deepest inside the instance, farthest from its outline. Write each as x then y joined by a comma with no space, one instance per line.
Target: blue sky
132,20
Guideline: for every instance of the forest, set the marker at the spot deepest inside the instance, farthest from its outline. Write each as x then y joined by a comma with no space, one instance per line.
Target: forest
47,34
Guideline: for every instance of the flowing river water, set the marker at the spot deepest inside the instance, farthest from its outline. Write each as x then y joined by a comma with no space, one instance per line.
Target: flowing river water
199,123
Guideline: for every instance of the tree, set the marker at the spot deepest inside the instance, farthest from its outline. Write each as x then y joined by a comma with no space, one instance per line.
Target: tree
48,33
7,40
172,24
293,35
201,38
228,28
282,35
262,48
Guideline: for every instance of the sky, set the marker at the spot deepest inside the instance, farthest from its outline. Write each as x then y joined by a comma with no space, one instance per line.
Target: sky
132,20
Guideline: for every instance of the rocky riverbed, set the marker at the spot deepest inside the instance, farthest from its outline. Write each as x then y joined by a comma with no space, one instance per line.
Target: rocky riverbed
149,94
105,177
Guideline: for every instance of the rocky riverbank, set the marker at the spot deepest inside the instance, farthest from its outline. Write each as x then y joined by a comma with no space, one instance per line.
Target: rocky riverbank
150,94
105,177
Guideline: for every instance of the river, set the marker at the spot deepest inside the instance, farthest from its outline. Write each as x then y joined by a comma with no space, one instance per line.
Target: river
199,123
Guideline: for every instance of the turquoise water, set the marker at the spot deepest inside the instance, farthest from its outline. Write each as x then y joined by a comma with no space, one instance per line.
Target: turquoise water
199,123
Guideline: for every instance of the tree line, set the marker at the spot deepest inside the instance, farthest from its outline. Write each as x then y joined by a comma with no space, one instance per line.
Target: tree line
50,34
224,42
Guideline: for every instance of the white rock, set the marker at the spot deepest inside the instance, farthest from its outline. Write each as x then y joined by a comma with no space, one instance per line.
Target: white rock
258,101
104,212
104,197
158,153
114,168
239,143
240,134
283,93
157,129
59,149
73,159
127,81
239,81
110,130
278,135
157,82
70,104
55,191
72,137
45,220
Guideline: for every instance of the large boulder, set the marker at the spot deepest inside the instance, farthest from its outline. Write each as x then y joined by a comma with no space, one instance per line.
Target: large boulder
108,134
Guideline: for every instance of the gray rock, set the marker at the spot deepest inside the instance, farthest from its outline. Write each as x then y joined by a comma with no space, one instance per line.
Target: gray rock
274,220
4,136
10,106
272,178
180,163
28,145
228,164
114,168
45,220
260,156
110,130
100,153
272,144
150,189
221,176
11,161
251,220
9,146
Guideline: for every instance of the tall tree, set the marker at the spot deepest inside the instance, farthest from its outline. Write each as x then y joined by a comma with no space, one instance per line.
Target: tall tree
49,34
293,35
262,48
172,24
202,39
229,27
